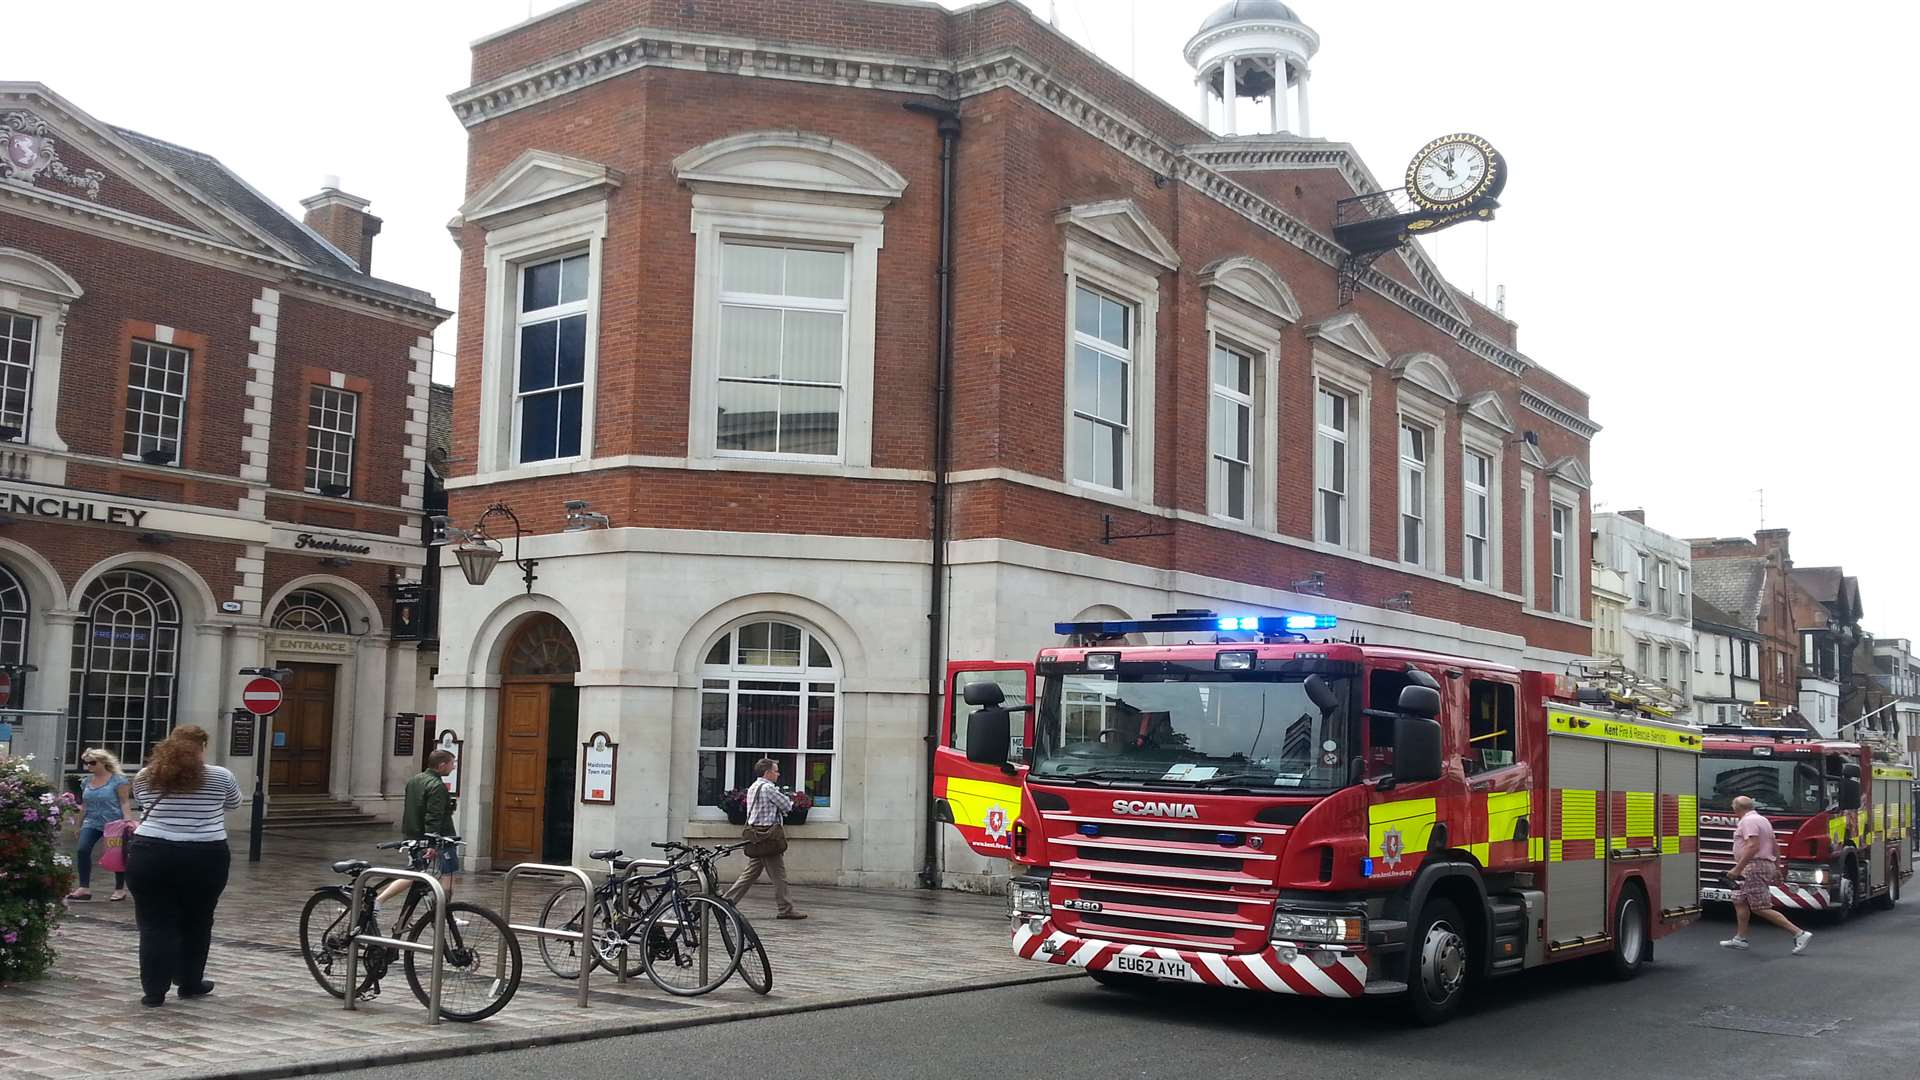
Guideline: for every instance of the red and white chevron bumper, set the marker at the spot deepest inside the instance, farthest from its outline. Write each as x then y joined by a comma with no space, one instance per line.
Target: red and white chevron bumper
1305,971
1800,897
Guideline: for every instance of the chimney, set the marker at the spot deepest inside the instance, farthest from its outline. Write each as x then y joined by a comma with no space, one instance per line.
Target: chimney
1774,542
1639,516
342,220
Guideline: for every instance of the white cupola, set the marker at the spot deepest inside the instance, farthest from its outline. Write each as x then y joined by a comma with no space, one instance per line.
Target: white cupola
1253,49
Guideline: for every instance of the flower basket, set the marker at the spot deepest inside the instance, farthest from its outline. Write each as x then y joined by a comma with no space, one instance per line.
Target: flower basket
735,804
802,802
34,875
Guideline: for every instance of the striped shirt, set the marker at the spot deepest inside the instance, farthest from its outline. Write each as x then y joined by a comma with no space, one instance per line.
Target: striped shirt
191,816
766,804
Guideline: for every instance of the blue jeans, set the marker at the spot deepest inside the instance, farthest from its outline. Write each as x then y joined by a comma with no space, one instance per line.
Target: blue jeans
83,858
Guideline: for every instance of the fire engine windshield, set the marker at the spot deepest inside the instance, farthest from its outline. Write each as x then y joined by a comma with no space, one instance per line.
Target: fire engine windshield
1776,786
1213,729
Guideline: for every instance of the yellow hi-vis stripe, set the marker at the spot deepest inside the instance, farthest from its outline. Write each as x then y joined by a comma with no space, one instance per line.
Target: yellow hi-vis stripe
1640,816
1414,819
970,800
1576,814
1689,815
1504,811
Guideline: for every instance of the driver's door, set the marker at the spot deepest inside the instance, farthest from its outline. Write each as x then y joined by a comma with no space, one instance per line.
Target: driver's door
981,800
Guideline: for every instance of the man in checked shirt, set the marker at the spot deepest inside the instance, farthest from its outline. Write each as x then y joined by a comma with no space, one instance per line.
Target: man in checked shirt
767,805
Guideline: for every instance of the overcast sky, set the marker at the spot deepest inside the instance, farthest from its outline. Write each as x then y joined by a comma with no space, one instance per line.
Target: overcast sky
1702,229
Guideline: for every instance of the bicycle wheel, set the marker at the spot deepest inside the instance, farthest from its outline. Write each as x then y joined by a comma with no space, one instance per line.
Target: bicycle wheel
691,945
325,939
477,941
562,912
755,969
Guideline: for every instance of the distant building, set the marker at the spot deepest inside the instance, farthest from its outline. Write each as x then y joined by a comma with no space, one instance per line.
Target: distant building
1836,658
1726,684
1894,690
1748,582
1657,622
1610,600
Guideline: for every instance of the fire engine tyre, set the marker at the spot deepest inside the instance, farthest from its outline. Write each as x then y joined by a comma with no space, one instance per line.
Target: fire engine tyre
1846,894
1442,956
1631,937
1118,980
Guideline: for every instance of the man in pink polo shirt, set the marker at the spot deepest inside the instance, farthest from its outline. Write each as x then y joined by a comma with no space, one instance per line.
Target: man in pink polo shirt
1756,869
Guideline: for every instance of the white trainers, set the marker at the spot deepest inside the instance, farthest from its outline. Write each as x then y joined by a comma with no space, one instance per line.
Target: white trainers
1800,941
1741,943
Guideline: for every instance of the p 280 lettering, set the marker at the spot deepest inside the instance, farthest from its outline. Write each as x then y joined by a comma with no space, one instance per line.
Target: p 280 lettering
1139,808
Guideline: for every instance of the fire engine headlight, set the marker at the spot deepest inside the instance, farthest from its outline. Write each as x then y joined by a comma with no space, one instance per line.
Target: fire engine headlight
1334,929
1807,875
1028,898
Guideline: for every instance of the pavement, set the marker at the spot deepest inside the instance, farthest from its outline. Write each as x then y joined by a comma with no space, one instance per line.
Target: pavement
267,1017
1699,1012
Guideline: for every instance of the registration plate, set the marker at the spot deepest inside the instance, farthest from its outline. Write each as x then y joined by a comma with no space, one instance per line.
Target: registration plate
1154,967
1724,896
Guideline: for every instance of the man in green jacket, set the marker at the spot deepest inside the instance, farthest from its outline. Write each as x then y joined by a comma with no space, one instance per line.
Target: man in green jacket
428,811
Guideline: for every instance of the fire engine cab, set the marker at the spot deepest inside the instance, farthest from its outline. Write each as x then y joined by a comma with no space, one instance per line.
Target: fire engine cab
1242,806
1840,817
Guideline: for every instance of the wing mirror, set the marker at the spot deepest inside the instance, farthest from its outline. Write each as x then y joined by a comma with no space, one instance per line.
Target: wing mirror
1850,790
983,694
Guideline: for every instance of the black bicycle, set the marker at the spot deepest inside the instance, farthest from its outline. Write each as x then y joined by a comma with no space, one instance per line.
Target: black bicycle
666,923
476,940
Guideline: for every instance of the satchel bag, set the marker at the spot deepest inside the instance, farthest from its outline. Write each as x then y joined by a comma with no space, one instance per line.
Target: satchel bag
113,856
764,841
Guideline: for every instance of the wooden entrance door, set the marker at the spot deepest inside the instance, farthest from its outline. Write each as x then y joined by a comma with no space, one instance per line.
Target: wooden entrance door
301,762
520,787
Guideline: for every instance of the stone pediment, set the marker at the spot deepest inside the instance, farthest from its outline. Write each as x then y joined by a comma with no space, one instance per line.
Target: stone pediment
1532,455
1254,283
1350,334
1428,372
1486,409
538,178
27,272
1569,470
790,163
1120,223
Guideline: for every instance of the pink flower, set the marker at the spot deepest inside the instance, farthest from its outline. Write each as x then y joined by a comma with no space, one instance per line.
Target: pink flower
9,937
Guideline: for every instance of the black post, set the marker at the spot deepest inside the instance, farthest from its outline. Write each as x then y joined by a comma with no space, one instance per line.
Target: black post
261,724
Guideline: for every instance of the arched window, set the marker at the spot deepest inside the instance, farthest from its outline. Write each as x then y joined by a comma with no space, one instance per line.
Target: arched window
770,689
310,611
542,647
126,654
13,631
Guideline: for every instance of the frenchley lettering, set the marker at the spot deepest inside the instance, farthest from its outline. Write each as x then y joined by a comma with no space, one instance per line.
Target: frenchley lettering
83,510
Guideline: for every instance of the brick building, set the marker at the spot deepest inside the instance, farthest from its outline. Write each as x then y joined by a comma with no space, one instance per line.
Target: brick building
1750,582
212,448
701,252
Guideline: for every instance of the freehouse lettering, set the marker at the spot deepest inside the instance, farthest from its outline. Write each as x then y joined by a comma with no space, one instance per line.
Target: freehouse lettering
327,543
82,510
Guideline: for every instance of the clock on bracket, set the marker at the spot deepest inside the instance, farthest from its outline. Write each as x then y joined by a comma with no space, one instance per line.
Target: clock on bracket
1454,172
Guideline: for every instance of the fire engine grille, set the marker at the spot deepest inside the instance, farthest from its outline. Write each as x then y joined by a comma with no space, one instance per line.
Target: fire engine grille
1716,855
1163,900
1112,831
1155,926
1160,883
1176,859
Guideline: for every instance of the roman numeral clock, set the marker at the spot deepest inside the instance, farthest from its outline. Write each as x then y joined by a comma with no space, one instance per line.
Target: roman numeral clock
1452,179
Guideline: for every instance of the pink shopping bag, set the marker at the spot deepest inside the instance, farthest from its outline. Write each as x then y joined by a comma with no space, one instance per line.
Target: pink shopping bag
113,856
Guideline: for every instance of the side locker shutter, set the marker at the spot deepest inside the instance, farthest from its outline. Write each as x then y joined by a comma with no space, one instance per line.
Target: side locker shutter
1679,828
1576,878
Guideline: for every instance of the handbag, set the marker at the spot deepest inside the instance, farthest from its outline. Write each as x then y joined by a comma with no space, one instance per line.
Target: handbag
764,841
113,857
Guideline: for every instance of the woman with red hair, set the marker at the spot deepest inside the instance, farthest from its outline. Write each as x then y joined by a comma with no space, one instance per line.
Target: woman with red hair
178,861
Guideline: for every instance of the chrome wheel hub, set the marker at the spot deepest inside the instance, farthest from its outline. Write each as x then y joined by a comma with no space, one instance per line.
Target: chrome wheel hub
1632,934
1443,962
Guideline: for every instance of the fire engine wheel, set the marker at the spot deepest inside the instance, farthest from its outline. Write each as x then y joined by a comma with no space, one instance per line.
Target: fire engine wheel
1119,980
1442,957
1630,936
1847,894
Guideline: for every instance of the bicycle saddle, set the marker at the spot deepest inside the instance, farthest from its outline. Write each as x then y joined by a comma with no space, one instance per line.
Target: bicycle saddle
605,853
620,863
350,866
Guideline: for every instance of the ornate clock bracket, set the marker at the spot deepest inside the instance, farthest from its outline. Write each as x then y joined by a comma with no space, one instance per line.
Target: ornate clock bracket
1368,226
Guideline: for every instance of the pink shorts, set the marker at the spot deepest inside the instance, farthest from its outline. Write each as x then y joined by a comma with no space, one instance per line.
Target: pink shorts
1755,886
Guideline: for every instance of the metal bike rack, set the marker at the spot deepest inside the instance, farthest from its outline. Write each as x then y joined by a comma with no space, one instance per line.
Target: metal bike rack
439,933
589,949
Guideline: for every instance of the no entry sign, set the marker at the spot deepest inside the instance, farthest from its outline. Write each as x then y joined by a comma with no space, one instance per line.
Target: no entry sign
261,697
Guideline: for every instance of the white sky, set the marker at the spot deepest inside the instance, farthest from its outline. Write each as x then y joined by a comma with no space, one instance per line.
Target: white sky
1699,229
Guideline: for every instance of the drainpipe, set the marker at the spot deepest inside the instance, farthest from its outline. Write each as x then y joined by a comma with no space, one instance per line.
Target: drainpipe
948,125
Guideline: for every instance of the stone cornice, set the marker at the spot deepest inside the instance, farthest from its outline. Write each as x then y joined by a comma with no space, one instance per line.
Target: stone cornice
1559,414
63,211
1202,167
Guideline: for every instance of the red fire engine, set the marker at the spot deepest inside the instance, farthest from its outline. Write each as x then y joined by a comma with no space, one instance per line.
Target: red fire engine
1840,817
1251,809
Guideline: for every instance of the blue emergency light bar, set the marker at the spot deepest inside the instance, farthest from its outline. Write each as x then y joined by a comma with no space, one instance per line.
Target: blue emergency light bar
1202,623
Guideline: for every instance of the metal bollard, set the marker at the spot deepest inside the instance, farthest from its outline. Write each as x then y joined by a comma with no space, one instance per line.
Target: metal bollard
584,935
359,939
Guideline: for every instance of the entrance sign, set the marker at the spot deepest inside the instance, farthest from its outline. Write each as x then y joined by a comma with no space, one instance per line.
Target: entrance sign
261,696
598,756
310,643
451,743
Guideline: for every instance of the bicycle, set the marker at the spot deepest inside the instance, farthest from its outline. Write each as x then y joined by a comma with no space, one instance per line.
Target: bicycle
655,920
475,938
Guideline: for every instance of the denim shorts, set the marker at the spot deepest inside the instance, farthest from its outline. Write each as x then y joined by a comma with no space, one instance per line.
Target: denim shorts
448,861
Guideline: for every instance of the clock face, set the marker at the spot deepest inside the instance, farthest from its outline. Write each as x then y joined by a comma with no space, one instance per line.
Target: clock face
1454,170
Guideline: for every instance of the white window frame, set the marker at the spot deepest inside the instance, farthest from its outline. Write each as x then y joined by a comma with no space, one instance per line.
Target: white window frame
1420,407
1231,323
36,288
351,433
1415,443
1665,659
1470,492
1248,401
180,421
1680,606
1354,381
1077,410
805,675
1567,498
1643,581
34,329
1663,600
1528,566
509,250
1090,267
787,302
522,319
1560,596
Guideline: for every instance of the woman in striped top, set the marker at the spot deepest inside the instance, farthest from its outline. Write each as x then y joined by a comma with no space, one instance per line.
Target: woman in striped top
178,861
